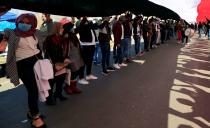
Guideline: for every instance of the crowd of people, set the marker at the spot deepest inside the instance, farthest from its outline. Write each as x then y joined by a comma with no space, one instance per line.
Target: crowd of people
204,28
76,46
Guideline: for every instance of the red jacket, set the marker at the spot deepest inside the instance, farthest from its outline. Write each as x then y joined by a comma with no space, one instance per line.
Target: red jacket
117,32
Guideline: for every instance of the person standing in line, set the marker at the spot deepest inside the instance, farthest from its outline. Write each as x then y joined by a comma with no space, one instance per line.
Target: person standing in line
200,29
126,47
208,28
158,31
145,31
136,34
113,23
179,31
149,33
72,50
118,32
53,50
97,53
104,41
87,41
22,55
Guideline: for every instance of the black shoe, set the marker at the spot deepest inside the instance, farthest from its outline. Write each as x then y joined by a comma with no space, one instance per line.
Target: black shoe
128,60
30,117
50,101
105,73
110,69
62,98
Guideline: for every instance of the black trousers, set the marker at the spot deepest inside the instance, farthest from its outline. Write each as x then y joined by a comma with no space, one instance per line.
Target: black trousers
87,55
75,74
145,42
58,81
26,74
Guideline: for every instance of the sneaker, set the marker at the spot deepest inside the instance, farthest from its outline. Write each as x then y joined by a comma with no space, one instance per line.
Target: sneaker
91,77
105,73
123,65
116,66
83,81
110,69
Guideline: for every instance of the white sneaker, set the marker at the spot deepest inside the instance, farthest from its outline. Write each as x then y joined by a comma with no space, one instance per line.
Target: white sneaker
123,65
83,81
91,77
116,66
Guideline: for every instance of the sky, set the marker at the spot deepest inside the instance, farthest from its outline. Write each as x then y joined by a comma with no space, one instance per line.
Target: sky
186,9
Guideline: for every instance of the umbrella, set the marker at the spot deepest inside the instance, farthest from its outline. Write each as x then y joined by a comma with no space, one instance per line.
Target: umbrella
9,16
94,8
6,24
64,21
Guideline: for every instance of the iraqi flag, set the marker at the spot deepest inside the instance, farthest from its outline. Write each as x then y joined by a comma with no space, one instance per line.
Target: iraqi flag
203,11
190,10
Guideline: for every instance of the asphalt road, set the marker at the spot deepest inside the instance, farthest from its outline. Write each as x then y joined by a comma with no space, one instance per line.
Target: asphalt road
168,87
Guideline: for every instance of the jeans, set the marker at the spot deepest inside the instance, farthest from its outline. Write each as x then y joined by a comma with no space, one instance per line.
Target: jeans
199,32
105,50
125,48
97,54
209,34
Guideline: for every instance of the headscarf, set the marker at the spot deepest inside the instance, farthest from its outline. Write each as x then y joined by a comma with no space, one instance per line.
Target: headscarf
71,36
55,37
67,27
32,19
56,28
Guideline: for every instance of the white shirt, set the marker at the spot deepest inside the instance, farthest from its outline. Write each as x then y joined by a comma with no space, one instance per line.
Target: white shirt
122,36
26,48
103,30
138,30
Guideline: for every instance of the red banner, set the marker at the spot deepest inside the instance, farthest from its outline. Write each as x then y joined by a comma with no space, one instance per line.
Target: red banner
203,11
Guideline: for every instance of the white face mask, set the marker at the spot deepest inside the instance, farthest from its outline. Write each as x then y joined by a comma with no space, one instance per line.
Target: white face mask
72,30
86,23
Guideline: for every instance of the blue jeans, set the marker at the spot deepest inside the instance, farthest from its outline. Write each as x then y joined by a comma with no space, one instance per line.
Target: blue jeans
97,54
199,32
125,47
105,50
209,34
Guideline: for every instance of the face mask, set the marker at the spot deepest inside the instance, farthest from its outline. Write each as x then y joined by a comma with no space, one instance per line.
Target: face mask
24,27
72,30
86,23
